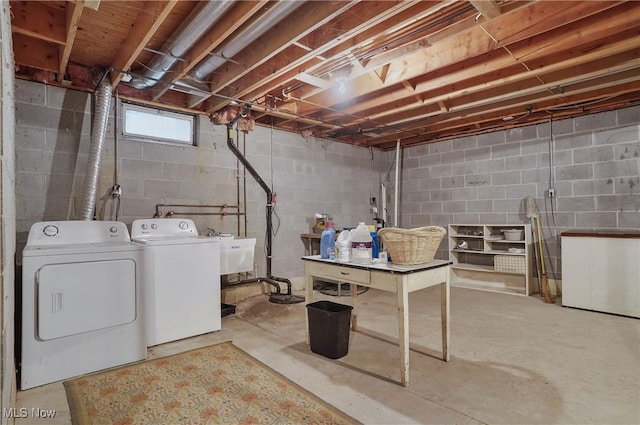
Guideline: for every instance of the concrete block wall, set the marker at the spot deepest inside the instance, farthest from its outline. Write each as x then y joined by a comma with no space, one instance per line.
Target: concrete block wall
594,170
53,128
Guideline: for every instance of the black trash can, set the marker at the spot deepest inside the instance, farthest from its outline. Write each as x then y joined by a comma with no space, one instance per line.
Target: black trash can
329,325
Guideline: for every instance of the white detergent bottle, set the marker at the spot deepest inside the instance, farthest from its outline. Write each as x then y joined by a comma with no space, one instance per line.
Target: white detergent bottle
361,244
343,247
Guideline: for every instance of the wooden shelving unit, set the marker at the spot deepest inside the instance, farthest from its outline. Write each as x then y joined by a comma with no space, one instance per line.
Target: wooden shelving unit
483,259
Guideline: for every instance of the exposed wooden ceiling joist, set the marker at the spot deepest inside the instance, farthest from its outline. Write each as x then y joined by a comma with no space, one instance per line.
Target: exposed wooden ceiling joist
418,71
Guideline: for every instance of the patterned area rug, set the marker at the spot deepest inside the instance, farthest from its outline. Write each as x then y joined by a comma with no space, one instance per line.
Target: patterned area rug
219,384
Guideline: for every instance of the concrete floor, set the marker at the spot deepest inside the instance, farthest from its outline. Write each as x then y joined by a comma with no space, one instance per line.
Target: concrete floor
513,360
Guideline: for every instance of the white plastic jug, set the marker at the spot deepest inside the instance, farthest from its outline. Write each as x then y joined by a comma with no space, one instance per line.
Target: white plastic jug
343,247
361,244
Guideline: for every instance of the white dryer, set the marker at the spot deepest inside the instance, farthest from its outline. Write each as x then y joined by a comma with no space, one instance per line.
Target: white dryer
182,281
82,307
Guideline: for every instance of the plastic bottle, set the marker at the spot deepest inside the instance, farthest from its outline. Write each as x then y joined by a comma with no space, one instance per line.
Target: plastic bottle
343,247
361,245
374,241
327,240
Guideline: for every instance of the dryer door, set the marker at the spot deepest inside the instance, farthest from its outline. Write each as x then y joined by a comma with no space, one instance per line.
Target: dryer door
74,298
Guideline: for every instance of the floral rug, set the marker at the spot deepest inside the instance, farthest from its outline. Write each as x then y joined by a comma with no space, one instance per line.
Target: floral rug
219,384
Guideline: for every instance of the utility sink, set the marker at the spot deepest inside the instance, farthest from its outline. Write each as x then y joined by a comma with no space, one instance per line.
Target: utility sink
236,254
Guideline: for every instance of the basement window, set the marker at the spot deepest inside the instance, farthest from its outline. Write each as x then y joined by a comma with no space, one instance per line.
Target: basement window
152,124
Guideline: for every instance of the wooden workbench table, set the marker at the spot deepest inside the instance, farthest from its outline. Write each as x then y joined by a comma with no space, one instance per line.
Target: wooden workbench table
401,280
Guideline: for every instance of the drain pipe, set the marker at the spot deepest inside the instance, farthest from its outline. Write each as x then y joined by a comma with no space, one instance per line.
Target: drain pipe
98,132
275,297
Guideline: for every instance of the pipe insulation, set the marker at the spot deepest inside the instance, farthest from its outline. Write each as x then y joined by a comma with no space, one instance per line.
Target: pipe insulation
203,17
98,133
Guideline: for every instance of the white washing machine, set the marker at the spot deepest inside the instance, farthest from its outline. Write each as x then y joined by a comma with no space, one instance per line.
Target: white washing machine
82,307
182,281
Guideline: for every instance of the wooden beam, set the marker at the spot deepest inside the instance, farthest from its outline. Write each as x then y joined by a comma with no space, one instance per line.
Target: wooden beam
74,11
35,53
313,80
486,94
475,42
38,20
488,8
382,74
484,91
151,17
493,70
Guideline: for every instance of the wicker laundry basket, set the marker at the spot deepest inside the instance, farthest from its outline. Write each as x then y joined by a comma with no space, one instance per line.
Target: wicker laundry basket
412,246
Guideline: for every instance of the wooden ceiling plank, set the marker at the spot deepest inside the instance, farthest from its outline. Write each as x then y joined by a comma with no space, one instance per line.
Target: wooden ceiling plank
312,80
584,67
488,8
403,23
487,100
234,18
73,13
149,20
382,74
480,90
508,29
37,20
545,102
540,101
560,39
35,53
473,43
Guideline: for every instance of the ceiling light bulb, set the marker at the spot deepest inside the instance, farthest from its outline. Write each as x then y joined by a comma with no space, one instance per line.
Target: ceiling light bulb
342,87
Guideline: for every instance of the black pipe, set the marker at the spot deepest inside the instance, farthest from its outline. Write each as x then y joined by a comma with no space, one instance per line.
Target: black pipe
276,297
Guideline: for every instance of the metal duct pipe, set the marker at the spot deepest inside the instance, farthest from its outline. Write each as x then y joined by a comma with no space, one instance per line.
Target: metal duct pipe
98,132
248,36
197,23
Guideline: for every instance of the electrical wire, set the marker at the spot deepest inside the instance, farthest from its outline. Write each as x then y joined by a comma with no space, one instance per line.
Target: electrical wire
553,231
552,177
273,202
370,174
116,192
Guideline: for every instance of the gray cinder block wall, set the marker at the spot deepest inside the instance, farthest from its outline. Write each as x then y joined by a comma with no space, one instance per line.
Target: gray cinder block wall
53,127
479,179
595,172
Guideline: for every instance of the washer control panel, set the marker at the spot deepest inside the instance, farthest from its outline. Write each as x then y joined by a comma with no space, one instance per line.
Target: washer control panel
163,228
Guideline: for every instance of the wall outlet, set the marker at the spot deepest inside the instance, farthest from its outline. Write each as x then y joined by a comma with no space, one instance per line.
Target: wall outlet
551,193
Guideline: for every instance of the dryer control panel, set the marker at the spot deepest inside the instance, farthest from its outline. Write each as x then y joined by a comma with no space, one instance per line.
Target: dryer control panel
77,232
163,228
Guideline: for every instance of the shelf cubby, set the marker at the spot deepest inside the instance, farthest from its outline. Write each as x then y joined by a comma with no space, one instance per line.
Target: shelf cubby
473,249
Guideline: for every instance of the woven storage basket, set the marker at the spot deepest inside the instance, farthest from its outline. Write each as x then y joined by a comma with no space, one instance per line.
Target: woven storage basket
412,246
510,264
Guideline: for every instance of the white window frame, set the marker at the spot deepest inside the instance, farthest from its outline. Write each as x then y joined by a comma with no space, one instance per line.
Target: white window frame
155,115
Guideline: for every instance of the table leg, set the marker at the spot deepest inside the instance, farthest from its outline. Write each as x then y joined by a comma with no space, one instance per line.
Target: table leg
354,304
445,312
308,299
403,332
